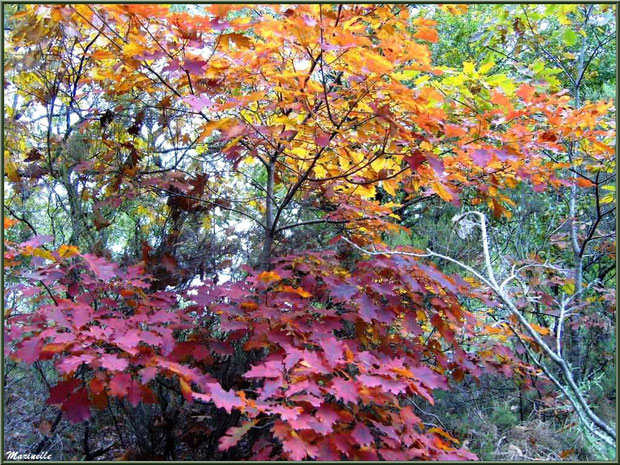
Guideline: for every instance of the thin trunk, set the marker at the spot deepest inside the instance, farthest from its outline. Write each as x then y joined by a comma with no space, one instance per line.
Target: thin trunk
575,337
265,256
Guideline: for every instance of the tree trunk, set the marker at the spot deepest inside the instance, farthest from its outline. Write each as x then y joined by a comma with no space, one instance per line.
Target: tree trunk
265,255
575,357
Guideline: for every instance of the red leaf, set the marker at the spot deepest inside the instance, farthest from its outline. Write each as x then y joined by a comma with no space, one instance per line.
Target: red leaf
415,160
292,443
270,369
148,396
29,349
233,132
234,434
368,309
436,164
82,315
102,269
343,292
198,103
430,378
128,342
134,393
218,25
113,362
169,263
120,384
96,386
71,363
287,413
362,434
77,406
323,140
62,390
327,414
481,157
333,349
224,399
334,240
221,398
298,449
37,241
148,374
345,390
194,66
371,381
410,323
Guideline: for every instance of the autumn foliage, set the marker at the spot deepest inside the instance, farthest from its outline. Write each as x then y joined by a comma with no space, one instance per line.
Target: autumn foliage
312,353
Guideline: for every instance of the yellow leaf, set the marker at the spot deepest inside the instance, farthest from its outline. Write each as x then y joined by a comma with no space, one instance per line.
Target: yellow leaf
468,68
408,74
11,171
300,152
569,288
455,9
485,68
389,187
441,191
609,198
132,49
319,172
366,191
540,329
38,252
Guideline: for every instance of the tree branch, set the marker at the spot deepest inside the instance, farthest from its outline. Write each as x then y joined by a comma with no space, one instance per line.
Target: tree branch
490,281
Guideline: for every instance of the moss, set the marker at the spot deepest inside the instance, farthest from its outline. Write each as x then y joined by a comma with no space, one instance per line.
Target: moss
503,417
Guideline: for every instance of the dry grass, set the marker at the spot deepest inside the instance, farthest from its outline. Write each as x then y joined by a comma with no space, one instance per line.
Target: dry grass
534,440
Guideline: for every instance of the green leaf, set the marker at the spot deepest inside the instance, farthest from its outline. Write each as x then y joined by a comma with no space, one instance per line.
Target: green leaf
569,288
569,37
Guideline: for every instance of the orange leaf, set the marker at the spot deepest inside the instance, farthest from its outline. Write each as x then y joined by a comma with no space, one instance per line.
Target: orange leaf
583,182
249,305
269,277
53,348
298,291
427,33
8,222
565,453
498,98
443,433
186,390
452,130
526,92
67,251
